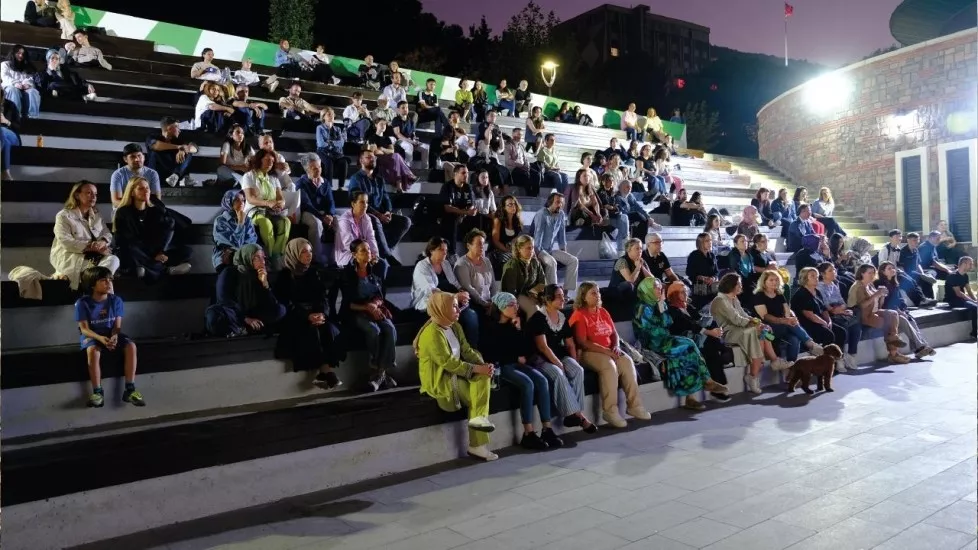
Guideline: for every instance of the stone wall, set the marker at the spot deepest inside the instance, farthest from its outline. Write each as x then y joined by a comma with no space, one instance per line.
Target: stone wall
923,95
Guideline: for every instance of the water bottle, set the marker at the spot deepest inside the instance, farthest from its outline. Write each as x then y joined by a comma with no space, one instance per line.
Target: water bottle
494,379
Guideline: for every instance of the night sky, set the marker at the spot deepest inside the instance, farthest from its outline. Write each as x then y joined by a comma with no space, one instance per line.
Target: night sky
831,32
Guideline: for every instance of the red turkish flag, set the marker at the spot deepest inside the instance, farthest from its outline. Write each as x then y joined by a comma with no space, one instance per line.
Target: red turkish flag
789,10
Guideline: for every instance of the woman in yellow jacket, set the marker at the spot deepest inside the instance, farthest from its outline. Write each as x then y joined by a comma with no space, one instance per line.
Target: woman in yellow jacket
453,372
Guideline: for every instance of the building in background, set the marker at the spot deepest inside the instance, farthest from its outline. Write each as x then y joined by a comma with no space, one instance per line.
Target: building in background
609,32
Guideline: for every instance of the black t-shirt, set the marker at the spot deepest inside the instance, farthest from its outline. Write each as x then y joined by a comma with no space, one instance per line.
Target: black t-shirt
556,339
380,140
459,197
803,300
761,259
521,95
430,99
658,265
443,284
955,280
616,277
700,265
775,306
909,259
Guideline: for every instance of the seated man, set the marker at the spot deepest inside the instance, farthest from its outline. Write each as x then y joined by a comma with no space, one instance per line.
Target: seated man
638,219
295,108
395,93
370,73
487,125
330,140
86,55
911,266
800,227
289,65
206,70
958,293
317,206
170,155
518,164
356,117
249,114
658,262
384,111
404,133
550,240
283,173
389,227
57,80
928,257
211,114
428,110
523,98
132,156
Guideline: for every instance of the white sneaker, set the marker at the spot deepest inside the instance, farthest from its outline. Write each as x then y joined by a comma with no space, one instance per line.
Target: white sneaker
816,349
90,97
482,452
614,419
336,81
780,364
173,180
840,366
190,182
753,384
640,413
179,269
272,86
850,361
481,424
54,93
140,272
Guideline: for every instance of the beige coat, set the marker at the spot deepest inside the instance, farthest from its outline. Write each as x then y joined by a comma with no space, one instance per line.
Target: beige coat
72,233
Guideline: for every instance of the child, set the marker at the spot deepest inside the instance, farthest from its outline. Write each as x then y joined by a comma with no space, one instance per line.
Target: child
99,316
246,76
958,293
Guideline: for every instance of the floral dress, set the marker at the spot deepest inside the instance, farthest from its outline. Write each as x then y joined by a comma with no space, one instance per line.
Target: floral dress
684,371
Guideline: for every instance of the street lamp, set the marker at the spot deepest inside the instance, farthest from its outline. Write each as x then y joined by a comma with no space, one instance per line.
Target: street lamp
551,67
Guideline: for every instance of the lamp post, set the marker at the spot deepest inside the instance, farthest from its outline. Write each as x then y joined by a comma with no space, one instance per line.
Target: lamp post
551,68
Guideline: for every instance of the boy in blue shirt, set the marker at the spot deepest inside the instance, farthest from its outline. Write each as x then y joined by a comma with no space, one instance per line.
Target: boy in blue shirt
99,316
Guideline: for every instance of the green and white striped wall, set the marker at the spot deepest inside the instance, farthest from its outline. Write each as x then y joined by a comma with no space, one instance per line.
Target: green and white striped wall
190,41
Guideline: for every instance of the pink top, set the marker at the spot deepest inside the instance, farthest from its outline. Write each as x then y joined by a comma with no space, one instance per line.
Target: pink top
349,230
628,120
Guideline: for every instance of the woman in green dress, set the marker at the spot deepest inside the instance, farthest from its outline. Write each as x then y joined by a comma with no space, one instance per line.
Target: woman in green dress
684,371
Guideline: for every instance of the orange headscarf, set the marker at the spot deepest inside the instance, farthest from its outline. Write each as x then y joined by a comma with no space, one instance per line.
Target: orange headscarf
672,295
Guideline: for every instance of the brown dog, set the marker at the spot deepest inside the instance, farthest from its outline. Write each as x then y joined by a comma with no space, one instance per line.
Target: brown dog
822,367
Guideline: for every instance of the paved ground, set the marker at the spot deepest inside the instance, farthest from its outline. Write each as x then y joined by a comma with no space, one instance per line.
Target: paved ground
887,462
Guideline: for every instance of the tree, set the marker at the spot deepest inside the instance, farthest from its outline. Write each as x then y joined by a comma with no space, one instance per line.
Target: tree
292,20
530,29
702,126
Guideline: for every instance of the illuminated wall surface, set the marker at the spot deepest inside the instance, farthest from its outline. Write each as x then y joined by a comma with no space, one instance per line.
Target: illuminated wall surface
842,130
190,41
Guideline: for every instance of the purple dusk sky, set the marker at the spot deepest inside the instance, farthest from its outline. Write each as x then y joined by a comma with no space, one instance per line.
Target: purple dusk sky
831,32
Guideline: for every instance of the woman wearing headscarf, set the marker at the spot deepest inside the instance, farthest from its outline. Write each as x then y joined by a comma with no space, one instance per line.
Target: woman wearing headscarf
809,255
307,337
232,229
245,303
454,373
701,329
684,371
748,223
509,350
57,80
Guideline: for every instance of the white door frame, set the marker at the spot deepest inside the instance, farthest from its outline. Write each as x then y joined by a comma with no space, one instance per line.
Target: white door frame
922,152
942,149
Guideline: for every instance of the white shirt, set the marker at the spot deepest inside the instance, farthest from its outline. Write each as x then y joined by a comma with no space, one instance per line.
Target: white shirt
249,181
453,343
351,113
10,77
202,107
394,95
485,206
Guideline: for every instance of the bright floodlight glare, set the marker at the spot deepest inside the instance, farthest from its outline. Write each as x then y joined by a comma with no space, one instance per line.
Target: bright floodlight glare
827,93
549,65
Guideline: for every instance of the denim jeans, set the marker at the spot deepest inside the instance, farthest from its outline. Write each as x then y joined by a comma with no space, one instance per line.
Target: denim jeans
247,118
226,174
165,164
381,337
532,384
16,96
469,319
793,337
7,140
508,106
212,121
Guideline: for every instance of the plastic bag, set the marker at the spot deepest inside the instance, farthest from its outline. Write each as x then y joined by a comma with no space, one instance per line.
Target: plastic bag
608,249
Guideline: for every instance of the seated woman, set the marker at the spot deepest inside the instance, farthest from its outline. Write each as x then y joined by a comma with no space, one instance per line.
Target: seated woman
763,260
748,224
265,204
464,101
506,226
484,203
816,319
453,372
771,307
480,101
822,210
846,261
17,78
556,357
654,132
835,304
211,112
535,130
234,156
474,272
57,80
585,209
687,213
647,171
391,166
563,113
783,211
232,229
629,271
523,275
9,135
684,371
509,351
581,117
739,260
702,330
887,278
714,228
762,202
365,308
144,233
663,169
38,14
866,299
307,337
81,237
751,335
435,273
596,335
245,303
702,271
613,211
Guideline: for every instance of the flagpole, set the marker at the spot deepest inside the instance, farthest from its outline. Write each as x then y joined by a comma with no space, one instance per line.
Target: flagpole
786,40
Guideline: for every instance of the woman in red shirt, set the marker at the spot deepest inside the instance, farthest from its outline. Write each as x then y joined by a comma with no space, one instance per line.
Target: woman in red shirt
595,335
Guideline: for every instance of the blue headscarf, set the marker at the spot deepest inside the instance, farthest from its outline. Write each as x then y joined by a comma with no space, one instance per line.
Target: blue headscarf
811,242
227,201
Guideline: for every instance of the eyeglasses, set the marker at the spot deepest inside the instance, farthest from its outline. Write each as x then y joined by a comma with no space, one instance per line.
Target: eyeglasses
655,242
